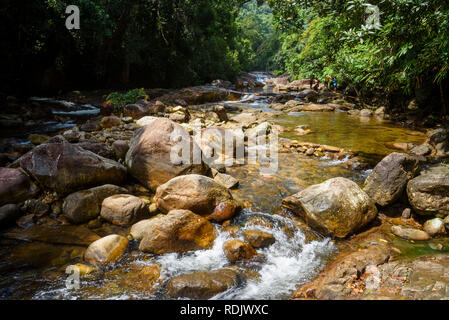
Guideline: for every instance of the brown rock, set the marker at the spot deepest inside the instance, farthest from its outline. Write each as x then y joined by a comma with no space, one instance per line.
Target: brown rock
149,154
64,168
202,284
123,209
82,206
15,186
106,250
237,250
199,194
110,122
259,239
178,231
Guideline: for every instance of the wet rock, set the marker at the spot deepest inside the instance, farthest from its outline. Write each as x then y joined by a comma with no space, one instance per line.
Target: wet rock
120,148
236,250
9,213
82,206
37,139
68,235
259,239
53,165
340,276
199,194
106,250
149,157
110,122
178,231
85,269
15,186
202,284
410,233
434,227
226,180
337,207
388,180
429,192
123,209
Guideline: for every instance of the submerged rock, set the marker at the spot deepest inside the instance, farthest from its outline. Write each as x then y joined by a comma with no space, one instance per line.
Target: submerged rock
15,186
82,206
387,182
178,231
123,209
199,194
64,167
68,235
336,207
149,155
106,250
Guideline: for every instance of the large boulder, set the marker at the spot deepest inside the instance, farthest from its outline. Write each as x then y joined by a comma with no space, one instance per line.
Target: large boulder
178,231
64,167
15,186
123,209
199,194
106,250
387,182
429,192
202,284
336,207
149,157
82,206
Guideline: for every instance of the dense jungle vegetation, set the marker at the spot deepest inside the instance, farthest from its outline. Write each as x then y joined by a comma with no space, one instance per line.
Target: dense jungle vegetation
161,43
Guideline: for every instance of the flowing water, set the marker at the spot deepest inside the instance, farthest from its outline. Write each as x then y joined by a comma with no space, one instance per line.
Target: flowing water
291,261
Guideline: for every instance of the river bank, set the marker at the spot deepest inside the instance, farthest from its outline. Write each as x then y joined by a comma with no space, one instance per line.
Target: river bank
64,210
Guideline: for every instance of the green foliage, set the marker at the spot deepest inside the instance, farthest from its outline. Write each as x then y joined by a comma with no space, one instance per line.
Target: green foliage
119,100
258,40
409,51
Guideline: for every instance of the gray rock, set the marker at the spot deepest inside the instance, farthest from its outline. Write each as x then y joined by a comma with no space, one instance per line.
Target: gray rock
429,192
82,206
387,182
336,207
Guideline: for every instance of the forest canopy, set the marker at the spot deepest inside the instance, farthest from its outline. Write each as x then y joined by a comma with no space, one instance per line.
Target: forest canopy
161,43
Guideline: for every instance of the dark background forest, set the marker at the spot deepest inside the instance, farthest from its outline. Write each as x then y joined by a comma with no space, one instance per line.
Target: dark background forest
176,43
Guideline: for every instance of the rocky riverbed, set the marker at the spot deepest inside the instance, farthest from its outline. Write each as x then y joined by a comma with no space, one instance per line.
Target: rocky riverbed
355,208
